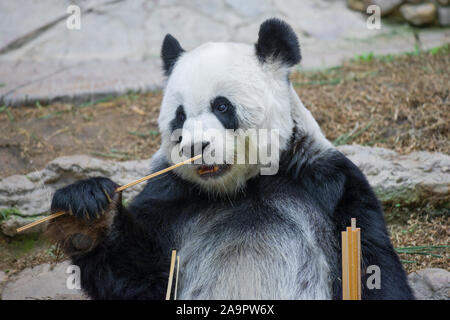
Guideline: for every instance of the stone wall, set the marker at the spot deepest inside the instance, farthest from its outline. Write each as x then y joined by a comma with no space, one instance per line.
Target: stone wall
416,12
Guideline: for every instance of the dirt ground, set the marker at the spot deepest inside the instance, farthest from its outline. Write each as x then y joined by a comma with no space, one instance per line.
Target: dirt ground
400,103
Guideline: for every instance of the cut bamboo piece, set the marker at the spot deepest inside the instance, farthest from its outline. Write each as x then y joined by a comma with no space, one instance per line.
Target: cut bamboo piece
358,250
345,264
172,266
176,279
351,262
60,213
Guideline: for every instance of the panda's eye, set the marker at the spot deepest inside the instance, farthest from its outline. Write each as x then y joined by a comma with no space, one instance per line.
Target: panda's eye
222,108
225,112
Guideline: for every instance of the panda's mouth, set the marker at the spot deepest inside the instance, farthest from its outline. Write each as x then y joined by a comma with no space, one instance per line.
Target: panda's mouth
212,171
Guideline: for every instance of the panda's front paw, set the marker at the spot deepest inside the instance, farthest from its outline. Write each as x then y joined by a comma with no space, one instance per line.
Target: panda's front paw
91,206
87,199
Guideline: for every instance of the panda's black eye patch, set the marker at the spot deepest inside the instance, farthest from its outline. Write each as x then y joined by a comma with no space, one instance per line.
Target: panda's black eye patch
179,119
225,112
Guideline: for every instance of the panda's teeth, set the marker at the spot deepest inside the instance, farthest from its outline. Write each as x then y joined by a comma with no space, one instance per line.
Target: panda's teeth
207,169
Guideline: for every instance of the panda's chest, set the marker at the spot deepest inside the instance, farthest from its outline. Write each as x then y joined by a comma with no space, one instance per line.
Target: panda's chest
265,250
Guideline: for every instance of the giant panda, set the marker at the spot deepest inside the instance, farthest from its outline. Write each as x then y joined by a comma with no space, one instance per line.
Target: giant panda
240,234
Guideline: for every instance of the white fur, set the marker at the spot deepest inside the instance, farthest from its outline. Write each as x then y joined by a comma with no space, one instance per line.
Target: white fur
269,264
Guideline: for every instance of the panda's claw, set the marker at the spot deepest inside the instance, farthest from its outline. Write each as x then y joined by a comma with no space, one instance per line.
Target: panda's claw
85,199
107,195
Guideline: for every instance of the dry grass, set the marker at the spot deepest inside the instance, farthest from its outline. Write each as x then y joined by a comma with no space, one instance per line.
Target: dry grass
401,104
423,242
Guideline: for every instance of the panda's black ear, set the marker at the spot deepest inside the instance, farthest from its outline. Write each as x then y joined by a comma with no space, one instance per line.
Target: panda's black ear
277,42
170,52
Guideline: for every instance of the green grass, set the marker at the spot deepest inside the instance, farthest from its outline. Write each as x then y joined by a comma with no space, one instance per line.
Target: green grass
330,76
53,114
38,105
110,155
10,116
352,135
7,212
20,245
370,56
150,133
445,49
421,250
5,108
332,82
365,57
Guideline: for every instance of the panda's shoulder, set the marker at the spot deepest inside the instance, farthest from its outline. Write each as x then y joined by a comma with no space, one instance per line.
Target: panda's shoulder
329,177
329,163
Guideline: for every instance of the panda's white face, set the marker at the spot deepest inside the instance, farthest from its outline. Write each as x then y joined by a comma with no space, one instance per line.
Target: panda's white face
222,86
227,87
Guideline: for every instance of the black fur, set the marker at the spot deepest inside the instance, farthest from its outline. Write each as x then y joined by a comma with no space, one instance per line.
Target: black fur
178,120
85,199
229,118
133,260
277,41
170,52
341,189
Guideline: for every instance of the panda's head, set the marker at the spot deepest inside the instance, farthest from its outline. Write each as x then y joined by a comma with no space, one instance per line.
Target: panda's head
219,88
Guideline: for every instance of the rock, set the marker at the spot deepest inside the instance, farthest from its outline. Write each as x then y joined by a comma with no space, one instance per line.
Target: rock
9,226
444,2
250,8
386,6
418,178
430,284
3,278
41,282
31,195
419,15
444,16
16,184
357,5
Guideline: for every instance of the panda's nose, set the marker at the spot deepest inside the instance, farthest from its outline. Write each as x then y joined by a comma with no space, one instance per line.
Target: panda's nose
194,149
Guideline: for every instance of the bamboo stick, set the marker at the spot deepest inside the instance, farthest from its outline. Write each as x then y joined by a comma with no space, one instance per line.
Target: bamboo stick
345,271
158,173
351,262
60,213
176,279
35,223
358,261
172,266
